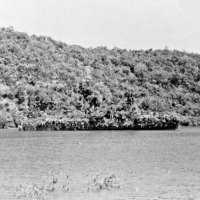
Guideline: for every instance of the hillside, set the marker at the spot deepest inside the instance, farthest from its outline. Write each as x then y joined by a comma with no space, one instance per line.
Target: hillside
44,78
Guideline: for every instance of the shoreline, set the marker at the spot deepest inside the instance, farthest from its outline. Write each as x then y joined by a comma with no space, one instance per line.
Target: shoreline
145,122
180,128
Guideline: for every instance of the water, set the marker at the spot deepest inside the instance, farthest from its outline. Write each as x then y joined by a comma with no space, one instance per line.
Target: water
150,164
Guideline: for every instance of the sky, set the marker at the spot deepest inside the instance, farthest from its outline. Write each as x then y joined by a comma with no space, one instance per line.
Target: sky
130,24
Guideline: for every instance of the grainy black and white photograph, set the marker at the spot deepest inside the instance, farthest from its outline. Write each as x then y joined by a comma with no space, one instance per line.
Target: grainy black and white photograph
99,100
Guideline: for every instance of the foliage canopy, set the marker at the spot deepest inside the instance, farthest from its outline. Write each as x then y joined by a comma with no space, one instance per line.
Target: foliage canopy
41,77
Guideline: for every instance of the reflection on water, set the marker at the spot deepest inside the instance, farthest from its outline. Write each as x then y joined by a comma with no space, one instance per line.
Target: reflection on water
150,164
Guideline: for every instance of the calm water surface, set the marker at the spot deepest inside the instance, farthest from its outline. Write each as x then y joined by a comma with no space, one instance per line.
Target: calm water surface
150,164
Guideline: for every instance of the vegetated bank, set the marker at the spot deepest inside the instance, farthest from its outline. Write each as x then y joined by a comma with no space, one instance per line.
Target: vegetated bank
143,122
42,79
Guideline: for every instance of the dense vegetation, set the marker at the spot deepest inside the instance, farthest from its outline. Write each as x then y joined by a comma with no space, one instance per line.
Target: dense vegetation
41,78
